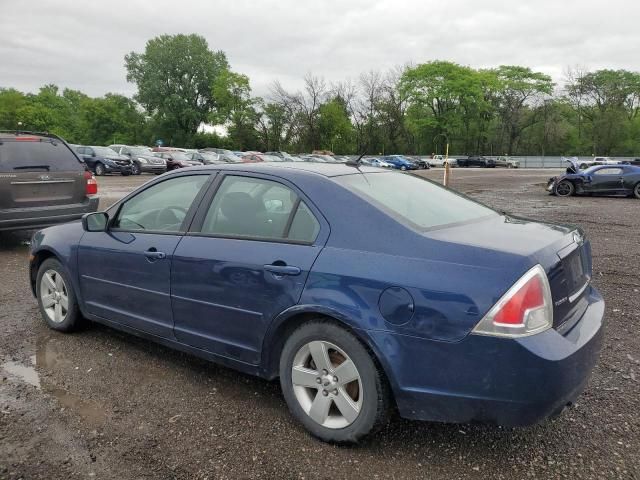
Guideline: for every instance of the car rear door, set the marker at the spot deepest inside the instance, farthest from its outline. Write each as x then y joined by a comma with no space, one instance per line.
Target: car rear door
39,172
125,271
245,261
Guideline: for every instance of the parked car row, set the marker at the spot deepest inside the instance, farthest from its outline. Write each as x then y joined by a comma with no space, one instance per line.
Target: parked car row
161,159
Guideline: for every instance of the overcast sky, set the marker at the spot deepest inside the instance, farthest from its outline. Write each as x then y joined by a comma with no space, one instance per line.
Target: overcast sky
81,44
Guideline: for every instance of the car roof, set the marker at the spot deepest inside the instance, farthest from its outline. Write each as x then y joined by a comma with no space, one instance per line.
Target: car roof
292,168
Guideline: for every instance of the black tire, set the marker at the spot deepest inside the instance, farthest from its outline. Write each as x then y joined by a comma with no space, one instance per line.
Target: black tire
100,170
136,169
72,318
636,190
125,174
564,188
583,166
375,400
403,168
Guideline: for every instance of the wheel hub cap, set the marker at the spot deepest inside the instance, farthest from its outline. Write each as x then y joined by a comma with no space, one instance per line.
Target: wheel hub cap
327,384
54,296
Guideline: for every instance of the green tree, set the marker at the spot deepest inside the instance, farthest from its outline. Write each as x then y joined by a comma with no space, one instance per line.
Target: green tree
175,76
11,101
445,98
607,103
334,126
111,119
518,89
236,108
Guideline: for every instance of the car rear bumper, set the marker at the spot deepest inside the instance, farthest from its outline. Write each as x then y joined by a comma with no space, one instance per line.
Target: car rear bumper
41,217
510,382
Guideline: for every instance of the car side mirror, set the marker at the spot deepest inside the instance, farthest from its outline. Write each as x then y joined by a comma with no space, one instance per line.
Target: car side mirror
95,222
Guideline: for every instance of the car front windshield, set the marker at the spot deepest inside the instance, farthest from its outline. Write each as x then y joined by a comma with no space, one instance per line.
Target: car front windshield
140,150
179,156
414,201
105,152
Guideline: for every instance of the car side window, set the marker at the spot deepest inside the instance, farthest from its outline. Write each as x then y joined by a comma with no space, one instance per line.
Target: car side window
262,209
609,171
161,207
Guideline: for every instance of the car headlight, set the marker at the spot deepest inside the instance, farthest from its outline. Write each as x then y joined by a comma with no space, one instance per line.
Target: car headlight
143,160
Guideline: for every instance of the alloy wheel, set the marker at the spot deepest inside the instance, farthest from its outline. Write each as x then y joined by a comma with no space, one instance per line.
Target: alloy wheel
327,384
54,296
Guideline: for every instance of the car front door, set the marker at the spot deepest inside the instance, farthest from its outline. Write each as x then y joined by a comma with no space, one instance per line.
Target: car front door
246,260
125,271
86,155
607,180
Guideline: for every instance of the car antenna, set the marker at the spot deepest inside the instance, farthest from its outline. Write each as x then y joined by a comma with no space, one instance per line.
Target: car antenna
356,163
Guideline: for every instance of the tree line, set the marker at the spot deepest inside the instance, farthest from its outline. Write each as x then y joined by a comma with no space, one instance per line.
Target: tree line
413,109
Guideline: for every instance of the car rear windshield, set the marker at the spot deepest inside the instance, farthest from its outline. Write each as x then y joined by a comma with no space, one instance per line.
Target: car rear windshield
45,155
413,200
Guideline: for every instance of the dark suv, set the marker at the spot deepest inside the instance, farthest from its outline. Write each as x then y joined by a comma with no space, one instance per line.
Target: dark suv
475,161
42,182
101,160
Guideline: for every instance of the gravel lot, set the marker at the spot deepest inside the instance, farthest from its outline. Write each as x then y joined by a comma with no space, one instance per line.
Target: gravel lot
102,404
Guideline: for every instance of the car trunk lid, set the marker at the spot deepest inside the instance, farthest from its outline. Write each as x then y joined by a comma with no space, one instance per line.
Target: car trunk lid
560,249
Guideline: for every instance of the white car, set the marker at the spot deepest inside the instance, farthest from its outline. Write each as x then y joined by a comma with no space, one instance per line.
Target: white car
439,161
507,162
598,161
376,162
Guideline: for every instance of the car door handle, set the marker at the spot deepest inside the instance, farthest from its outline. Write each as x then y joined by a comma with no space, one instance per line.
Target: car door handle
282,269
153,254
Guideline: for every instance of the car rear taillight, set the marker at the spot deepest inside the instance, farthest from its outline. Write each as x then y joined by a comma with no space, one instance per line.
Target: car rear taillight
525,309
92,185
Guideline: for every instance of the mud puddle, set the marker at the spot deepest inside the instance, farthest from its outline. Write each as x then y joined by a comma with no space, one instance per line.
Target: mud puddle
47,358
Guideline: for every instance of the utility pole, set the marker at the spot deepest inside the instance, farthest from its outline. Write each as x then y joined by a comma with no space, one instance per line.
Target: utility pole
447,168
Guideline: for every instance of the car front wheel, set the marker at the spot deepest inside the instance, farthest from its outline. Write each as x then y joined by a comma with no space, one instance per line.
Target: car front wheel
564,189
636,190
56,298
99,170
135,169
331,384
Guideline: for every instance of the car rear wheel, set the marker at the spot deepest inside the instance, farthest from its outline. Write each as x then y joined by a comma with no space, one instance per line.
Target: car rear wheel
636,190
99,170
56,297
331,384
564,189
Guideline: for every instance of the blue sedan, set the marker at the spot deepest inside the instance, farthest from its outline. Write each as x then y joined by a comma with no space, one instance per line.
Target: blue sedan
362,290
400,163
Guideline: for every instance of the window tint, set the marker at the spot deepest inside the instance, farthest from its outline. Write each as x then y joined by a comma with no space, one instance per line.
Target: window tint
258,208
305,227
609,171
413,200
162,207
40,155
